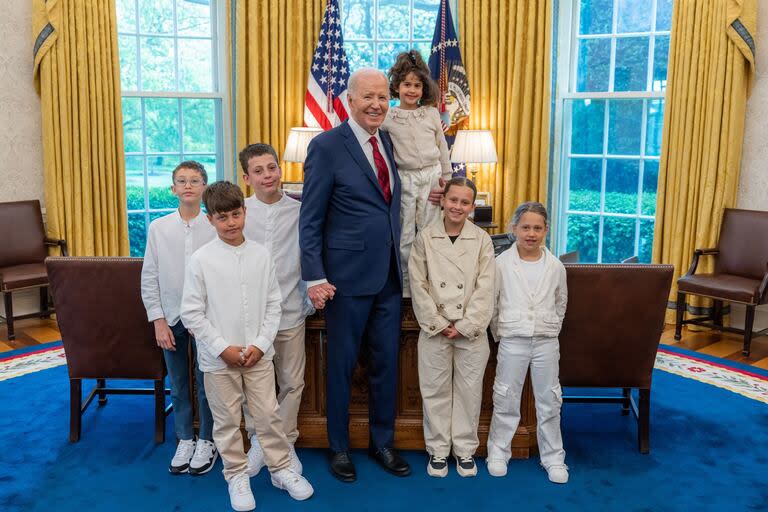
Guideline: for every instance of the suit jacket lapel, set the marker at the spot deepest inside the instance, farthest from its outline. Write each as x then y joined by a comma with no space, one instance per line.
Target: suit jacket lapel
354,148
389,150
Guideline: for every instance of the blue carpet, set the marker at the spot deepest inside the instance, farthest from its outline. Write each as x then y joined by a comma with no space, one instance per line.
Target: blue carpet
709,451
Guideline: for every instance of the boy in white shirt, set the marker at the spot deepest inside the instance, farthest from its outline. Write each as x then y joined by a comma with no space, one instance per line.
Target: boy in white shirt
272,220
172,240
231,302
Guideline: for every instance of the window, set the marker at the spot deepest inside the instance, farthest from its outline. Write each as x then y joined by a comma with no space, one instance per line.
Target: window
375,31
172,100
612,71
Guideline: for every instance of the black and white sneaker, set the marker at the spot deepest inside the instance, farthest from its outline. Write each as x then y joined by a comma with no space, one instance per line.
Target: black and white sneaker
184,451
466,466
437,466
204,458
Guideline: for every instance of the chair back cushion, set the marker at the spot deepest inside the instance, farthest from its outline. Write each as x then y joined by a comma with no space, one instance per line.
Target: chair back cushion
102,319
22,233
613,323
743,243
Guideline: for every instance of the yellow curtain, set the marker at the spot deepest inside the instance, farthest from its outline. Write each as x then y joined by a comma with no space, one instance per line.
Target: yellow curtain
506,48
275,43
711,65
77,76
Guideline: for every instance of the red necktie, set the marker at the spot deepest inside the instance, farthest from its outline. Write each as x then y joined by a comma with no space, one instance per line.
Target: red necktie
381,170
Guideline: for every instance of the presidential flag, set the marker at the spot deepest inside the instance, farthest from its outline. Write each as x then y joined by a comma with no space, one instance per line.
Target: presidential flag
325,104
448,72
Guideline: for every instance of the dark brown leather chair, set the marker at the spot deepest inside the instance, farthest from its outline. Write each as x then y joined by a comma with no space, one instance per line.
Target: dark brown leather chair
105,332
22,253
594,353
570,257
741,273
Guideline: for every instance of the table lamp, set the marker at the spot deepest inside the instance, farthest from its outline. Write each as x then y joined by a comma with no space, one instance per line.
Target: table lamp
474,147
298,141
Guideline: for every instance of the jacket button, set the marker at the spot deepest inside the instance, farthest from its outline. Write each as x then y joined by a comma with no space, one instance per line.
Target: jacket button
431,327
458,306
440,306
461,286
442,285
477,334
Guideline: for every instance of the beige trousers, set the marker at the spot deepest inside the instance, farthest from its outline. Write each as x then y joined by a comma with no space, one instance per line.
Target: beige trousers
451,382
290,360
416,212
226,389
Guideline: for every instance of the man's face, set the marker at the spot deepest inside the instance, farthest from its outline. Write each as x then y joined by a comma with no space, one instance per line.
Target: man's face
263,174
369,101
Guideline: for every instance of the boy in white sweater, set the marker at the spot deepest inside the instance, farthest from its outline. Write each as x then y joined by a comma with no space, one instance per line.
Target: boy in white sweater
231,302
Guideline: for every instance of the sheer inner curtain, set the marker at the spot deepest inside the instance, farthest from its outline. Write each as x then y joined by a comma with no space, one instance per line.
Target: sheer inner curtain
711,67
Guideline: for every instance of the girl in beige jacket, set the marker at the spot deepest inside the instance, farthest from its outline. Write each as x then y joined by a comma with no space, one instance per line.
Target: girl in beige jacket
452,282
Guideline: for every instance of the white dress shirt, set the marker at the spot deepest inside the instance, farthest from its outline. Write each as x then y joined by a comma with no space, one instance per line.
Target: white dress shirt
170,244
231,297
276,227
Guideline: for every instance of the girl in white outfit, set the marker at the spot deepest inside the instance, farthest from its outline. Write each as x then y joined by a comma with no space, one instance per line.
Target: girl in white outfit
421,153
531,297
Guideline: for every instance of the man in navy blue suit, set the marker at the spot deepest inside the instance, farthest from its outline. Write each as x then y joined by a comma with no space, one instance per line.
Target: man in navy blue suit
349,233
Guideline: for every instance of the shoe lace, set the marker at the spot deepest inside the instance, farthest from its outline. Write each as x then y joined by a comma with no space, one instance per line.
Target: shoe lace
185,449
466,460
241,484
204,450
291,479
438,459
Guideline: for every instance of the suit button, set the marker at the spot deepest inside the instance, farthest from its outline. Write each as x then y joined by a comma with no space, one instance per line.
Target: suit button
442,285
461,286
458,306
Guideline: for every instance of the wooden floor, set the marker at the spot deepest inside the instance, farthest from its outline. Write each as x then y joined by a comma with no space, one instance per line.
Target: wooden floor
34,331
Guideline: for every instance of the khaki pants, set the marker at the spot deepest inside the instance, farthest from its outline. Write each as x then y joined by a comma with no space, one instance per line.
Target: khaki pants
226,389
451,382
290,359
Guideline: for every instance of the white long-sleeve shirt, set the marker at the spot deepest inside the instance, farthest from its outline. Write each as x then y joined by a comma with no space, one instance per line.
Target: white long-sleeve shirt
276,227
231,297
170,244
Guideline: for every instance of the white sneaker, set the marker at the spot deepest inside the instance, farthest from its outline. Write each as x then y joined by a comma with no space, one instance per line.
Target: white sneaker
437,466
255,457
295,465
296,485
184,451
465,466
240,495
558,473
496,467
204,458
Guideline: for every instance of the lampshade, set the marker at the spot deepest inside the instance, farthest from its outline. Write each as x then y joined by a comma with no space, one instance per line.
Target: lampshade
474,147
298,140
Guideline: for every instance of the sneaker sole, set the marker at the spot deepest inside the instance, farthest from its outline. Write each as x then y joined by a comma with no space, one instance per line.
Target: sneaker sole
178,471
297,497
244,508
437,473
466,472
203,470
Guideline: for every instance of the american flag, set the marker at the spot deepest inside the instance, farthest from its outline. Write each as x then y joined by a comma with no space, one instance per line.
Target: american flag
448,71
325,104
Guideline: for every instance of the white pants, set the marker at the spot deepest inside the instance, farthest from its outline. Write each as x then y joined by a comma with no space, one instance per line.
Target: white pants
416,212
515,357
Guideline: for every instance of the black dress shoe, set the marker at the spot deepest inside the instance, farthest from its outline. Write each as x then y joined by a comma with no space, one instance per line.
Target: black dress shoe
390,461
342,467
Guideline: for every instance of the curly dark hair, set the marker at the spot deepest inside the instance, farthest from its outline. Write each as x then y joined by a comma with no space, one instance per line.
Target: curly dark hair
411,62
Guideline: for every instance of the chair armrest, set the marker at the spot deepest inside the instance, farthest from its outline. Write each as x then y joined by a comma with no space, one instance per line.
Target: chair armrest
713,251
62,244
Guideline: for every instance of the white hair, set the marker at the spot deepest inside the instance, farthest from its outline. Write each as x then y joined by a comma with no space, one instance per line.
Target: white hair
355,77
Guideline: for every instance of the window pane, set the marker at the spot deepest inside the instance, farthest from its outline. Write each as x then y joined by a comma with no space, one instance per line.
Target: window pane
159,178
126,15
631,64
388,53
660,58
594,65
654,126
624,127
424,18
137,234
645,251
156,16
359,55
193,18
157,64
209,162
663,14
650,186
134,179
425,48
621,181
618,239
357,19
583,232
195,65
161,116
127,49
587,127
199,125
595,16
584,184
132,125
634,16
394,20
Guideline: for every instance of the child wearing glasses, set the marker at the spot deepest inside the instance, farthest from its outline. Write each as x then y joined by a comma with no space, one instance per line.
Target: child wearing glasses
171,241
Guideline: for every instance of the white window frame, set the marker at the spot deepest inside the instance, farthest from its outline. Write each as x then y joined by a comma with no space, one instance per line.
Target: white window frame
565,89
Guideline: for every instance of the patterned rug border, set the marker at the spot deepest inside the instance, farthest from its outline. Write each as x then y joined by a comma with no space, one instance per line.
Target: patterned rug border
32,361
